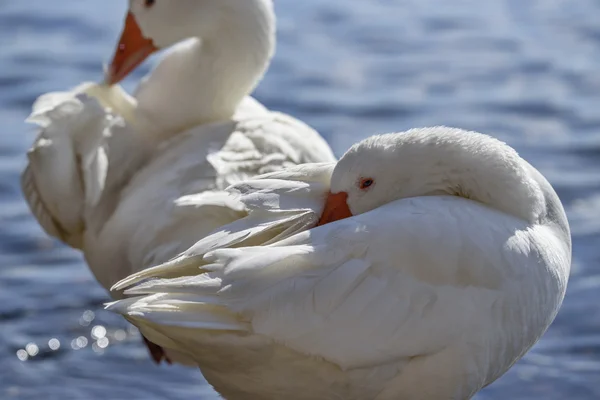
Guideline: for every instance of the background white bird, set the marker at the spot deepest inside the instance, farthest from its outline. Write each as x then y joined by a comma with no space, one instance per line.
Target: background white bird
133,181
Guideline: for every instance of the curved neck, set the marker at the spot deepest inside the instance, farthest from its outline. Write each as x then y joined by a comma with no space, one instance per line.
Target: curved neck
204,80
447,161
483,169
507,188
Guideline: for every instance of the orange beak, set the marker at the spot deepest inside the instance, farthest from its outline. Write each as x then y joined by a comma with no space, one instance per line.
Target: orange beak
336,208
132,50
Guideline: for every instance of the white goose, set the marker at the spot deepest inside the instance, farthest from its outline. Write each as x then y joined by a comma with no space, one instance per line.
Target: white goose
442,258
133,181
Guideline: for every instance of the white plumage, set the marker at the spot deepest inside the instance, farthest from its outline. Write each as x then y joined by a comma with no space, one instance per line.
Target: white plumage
132,181
454,263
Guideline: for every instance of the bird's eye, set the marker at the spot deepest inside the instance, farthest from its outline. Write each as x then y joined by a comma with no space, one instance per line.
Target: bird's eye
149,3
365,183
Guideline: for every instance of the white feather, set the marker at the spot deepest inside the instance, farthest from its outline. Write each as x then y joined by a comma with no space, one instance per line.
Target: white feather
424,288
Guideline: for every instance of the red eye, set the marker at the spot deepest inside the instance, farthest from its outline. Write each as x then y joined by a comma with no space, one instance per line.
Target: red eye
365,183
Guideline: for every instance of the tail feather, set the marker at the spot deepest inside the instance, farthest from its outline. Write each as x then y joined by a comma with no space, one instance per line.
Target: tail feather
186,284
179,310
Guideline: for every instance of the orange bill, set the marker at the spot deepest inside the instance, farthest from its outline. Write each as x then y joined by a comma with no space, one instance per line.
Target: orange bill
132,50
336,208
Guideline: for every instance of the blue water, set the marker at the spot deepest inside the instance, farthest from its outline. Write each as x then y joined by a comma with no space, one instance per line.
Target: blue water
526,71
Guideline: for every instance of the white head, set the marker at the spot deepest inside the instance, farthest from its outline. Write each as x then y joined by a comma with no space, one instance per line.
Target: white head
167,22
433,162
152,25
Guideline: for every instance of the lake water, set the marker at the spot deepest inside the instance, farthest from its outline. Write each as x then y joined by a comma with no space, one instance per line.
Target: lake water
525,71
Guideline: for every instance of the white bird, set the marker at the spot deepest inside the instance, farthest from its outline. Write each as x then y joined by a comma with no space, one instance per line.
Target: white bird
132,181
440,259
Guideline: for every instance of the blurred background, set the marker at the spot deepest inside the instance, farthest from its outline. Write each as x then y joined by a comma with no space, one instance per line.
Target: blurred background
526,71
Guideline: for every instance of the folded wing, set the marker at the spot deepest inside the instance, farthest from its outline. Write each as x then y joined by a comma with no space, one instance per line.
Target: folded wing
409,279
68,160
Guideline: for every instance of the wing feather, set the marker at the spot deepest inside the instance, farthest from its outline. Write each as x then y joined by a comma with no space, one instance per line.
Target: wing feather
408,279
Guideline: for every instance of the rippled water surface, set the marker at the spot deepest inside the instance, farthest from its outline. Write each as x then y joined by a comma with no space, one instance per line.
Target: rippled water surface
525,71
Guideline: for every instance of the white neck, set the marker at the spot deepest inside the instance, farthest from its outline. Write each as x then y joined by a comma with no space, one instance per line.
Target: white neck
478,167
204,80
